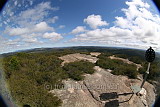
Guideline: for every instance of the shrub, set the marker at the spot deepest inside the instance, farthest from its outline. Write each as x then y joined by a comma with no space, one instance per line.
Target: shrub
75,70
118,67
27,74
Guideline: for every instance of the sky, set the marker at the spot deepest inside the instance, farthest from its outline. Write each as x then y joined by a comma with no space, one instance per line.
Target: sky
27,24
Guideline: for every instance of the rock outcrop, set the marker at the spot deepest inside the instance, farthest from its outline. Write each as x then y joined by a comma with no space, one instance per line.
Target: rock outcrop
103,89
78,57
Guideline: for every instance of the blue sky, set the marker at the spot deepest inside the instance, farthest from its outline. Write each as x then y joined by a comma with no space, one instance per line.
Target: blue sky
26,24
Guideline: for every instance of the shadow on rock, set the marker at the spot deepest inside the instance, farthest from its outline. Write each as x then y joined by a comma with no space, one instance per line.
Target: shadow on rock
113,103
112,96
108,96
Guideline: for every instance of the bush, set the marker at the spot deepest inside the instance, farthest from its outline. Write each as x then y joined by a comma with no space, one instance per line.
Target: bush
154,71
27,74
87,53
75,70
14,63
104,55
75,74
118,67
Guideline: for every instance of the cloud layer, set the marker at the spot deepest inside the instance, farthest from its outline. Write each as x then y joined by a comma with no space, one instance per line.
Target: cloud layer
36,24
31,26
138,28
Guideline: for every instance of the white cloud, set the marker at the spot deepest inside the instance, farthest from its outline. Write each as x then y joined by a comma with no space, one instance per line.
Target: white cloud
53,20
52,36
12,42
122,22
79,29
138,3
16,31
15,3
61,27
138,28
40,27
30,40
95,21
31,2
99,35
29,26
7,45
34,15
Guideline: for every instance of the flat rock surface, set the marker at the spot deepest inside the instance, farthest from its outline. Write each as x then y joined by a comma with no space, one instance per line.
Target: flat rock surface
103,89
78,57
95,53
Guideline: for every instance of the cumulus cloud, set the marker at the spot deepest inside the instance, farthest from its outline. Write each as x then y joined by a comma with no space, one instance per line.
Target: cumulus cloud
52,36
6,44
32,25
34,15
15,3
40,27
27,25
101,35
61,27
144,25
95,21
53,20
30,40
79,29
137,28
